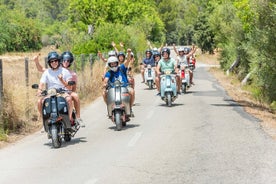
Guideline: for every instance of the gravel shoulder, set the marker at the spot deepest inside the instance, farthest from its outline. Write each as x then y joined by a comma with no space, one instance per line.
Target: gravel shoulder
244,98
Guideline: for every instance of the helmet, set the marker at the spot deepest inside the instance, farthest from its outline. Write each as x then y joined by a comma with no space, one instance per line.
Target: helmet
131,54
121,54
166,50
113,59
112,53
186,50
67,56
181,49
154,49
53,56
148,51
156,54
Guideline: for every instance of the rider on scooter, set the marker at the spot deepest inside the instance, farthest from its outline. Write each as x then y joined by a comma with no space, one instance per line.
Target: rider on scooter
166,63
146,61
117,71
183,56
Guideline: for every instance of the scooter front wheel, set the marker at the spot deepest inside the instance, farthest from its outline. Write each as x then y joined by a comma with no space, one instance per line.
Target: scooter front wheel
169,99
56,139
118,120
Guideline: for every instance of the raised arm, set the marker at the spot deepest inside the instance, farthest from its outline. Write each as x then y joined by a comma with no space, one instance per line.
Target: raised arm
114,46
38,65
175,50
100,55
128,60
192,51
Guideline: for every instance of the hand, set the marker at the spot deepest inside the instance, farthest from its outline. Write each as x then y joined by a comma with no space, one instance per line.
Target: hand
60,76
36,58
113,44
121,44
129,50
99,54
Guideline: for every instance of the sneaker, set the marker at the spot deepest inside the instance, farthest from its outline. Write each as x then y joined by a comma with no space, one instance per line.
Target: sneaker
158,94
179,93
80,122
143,81
131,114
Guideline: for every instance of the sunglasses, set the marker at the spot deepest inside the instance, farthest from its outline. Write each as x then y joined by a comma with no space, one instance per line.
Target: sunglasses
54,61
65,61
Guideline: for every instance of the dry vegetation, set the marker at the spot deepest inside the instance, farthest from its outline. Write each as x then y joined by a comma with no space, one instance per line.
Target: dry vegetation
20,110
23,114
243,97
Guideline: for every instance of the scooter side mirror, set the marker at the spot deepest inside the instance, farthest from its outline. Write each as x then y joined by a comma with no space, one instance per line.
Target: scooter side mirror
71,83
35,86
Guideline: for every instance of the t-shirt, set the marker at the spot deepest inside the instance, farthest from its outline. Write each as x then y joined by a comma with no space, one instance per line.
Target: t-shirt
120,75
166,65
50,77
182,59
149,61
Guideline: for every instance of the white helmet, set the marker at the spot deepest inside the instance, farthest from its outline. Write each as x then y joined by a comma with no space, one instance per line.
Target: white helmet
112,53
181,49
113,59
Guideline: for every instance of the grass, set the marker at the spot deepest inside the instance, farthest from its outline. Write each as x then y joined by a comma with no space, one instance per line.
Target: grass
19,112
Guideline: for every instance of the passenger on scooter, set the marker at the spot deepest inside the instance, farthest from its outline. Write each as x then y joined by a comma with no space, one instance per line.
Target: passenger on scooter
55,77
166,63
183,56
67,59
100,55
122,57
117,71
146,61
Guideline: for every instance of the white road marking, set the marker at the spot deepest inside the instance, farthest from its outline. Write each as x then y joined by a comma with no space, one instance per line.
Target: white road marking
134,139
92,181
150,114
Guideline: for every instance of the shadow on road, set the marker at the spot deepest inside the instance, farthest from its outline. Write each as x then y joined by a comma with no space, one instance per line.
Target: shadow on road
73,141
125,128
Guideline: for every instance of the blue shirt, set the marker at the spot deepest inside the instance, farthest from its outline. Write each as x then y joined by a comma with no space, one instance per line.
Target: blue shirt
149,61
120,74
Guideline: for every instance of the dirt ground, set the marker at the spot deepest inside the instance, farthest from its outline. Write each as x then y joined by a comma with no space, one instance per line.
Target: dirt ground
244,98
234,90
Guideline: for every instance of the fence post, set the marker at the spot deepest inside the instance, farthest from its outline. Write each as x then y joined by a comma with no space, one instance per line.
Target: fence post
27,85
82,62
1,90
91,64
46,62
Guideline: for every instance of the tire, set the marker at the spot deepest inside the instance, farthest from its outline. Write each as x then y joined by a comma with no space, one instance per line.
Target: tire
56,139
184,88
169,99
118,120
150,84
67,137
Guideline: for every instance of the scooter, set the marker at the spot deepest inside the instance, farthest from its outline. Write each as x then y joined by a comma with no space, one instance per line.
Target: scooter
55,116
184,77
168,87
118,104
149,76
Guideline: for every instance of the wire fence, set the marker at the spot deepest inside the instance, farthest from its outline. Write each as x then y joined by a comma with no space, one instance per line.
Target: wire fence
16,77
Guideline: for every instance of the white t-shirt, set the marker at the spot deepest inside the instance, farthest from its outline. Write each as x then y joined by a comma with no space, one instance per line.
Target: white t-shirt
50,77
182,59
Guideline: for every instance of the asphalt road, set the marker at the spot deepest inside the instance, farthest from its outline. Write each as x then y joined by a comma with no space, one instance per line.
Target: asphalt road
204,138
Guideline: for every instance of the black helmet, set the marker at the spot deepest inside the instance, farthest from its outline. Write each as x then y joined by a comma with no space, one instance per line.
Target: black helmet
156,54
67,55
186,50
121,54
148,51
53,56
166,50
